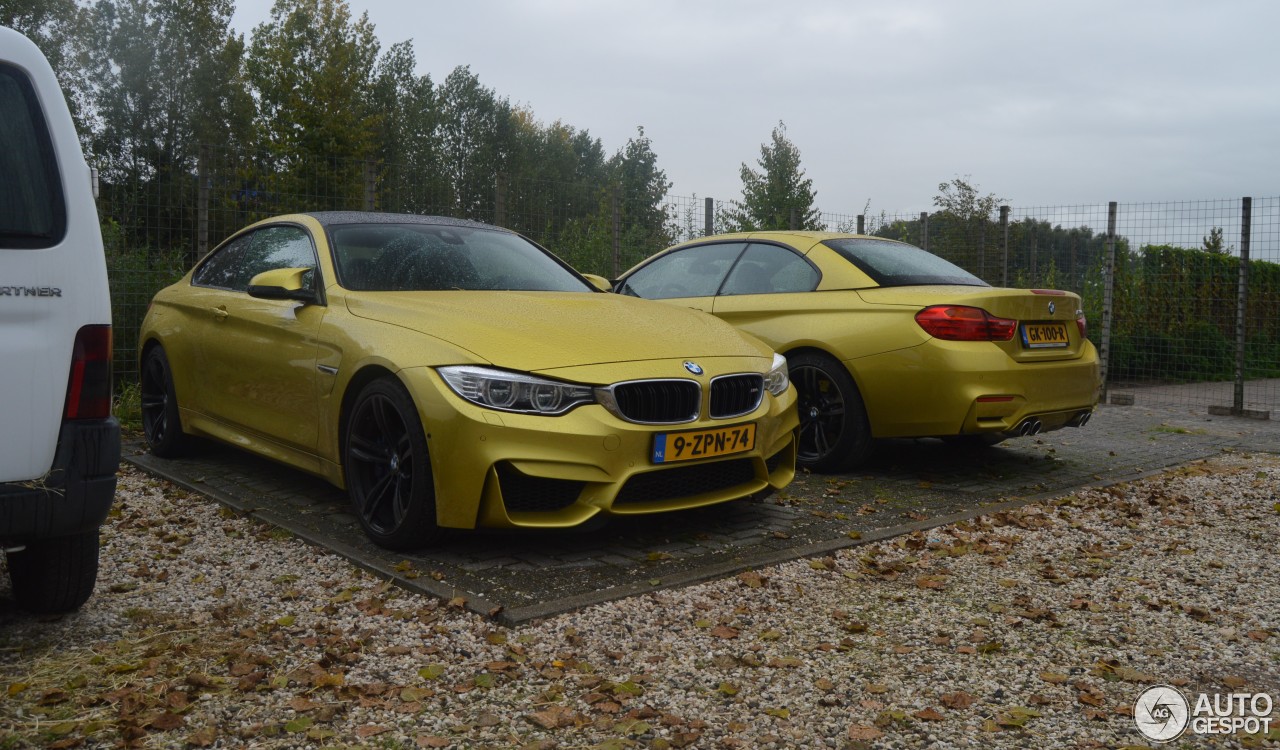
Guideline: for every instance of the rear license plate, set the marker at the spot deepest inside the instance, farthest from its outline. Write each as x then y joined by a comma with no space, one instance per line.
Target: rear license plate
1044,335
686,446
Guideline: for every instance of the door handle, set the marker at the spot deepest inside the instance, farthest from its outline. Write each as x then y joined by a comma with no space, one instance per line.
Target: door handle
220,313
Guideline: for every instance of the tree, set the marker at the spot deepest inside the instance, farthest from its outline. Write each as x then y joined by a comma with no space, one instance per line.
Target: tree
167,78
777,195
963,227
476,130
642,189
408,134
1214,242
312,68
960,198
58,28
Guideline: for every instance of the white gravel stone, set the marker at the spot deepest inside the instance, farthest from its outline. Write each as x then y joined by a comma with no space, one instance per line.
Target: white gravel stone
1037,627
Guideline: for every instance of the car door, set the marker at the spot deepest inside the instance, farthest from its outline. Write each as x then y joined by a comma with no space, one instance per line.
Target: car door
255,359
768,293
690,276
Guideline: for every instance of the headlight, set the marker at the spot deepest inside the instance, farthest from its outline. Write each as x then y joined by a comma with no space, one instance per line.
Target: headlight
777,380
514,391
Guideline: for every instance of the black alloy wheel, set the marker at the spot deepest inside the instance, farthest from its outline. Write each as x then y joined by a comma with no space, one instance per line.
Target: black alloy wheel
388,470
834,432
161,425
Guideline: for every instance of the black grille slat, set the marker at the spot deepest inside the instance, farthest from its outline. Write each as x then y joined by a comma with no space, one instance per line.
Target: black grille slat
735,395
686,481
658,401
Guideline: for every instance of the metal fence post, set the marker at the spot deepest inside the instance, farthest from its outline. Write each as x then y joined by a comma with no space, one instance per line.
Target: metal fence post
500,200
202,202
1242,302
1004,228
924,230
708,225
370,186
1108,292
617,231
791,221
862,224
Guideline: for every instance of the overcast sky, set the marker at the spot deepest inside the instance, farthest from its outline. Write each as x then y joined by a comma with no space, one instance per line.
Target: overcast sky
1041,103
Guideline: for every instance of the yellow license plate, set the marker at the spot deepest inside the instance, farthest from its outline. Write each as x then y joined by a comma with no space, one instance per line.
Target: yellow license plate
1044,335
686,446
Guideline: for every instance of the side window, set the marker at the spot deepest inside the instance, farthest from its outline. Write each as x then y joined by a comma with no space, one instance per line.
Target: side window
691,272
234,264
770,269
32,210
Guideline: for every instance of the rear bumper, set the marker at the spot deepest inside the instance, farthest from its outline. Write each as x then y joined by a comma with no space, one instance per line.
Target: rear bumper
76,494
955,388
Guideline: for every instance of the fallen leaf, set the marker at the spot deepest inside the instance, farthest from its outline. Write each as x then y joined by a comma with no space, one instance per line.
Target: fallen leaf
370,730
958,700
864,732
928,714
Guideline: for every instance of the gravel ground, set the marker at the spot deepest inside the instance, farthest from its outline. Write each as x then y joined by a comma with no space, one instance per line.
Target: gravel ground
1030,628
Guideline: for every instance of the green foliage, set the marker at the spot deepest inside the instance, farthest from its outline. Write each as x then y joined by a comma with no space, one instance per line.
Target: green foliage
311,66
1174,315
777,195
135,274
60,29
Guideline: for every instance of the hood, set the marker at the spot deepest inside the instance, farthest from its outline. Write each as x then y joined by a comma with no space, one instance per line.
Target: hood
533,331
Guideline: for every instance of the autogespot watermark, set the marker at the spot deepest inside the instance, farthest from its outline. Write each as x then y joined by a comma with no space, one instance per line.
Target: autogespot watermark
1162,713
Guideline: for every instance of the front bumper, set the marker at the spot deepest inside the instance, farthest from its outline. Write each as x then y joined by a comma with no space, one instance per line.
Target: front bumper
76,494
499,469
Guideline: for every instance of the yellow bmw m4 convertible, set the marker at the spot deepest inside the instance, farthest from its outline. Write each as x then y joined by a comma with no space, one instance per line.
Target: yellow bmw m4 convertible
886,340
454,374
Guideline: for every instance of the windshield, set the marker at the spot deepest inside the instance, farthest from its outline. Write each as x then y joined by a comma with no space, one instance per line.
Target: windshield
899,264
429,257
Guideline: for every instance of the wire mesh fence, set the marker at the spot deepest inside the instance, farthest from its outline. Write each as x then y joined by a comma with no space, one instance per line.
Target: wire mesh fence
1183,298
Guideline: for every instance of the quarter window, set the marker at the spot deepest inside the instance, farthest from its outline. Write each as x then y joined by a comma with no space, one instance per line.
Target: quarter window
770,269
234,264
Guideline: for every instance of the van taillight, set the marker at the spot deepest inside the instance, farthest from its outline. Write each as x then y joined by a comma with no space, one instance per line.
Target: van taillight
89,387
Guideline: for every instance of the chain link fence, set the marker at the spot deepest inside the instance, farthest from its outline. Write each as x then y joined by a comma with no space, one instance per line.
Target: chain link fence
1182,298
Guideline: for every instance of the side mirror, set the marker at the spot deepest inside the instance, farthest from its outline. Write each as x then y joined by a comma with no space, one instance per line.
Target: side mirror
282,283
599,282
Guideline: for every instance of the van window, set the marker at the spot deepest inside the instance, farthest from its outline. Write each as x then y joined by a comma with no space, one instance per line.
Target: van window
32,211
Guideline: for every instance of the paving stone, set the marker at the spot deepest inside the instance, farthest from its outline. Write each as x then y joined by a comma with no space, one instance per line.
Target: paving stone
522,576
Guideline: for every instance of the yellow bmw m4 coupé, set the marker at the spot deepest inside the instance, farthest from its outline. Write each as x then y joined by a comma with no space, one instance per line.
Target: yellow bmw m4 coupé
886,340
454,374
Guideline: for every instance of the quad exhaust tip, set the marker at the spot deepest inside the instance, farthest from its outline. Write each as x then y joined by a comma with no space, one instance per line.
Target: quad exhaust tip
1030,426
1081,419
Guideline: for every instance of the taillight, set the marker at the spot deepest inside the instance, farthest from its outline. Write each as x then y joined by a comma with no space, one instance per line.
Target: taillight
89,387
1083,325
960,323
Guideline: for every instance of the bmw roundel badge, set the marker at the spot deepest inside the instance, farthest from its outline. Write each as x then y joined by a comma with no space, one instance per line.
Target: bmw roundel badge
693,367
1051,308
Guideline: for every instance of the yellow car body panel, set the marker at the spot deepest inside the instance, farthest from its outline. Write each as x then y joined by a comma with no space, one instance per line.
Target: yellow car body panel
912,384
278,376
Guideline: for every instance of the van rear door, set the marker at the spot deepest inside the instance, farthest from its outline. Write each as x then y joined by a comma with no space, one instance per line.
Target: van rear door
53,276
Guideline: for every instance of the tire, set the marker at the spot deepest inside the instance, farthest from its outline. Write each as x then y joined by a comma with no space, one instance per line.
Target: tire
161,425
55,576
388,468
834,432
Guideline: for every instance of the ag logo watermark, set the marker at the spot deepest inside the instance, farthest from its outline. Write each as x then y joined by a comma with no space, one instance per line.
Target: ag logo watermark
1162,713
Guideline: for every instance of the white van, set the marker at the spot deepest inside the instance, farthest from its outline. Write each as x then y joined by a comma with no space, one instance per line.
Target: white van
59,443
